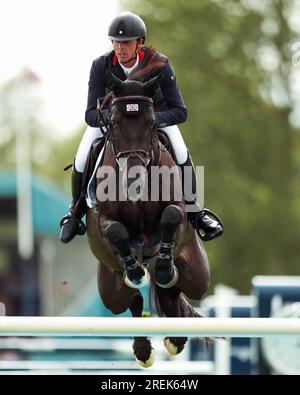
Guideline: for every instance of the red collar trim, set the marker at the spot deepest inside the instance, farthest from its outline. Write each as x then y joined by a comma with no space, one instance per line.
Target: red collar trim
140,53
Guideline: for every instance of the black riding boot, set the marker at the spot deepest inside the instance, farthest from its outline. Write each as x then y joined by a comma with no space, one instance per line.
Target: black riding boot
206,223
71,224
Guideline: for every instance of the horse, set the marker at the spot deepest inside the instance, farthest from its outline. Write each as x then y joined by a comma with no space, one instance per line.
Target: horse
137,239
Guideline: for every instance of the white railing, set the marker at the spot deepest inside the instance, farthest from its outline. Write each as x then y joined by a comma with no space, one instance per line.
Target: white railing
193,327
159,367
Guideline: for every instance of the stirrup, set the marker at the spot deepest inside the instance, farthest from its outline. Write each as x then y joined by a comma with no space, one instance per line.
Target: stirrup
208,236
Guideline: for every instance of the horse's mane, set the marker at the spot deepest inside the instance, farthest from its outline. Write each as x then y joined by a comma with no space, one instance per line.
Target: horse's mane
152,62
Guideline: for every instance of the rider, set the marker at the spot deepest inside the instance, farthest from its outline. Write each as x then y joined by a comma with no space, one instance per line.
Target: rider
127,33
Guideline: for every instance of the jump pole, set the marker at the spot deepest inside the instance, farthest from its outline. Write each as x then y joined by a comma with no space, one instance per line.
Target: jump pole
126,327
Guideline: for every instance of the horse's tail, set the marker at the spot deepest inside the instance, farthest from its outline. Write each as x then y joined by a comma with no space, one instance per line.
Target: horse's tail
171,303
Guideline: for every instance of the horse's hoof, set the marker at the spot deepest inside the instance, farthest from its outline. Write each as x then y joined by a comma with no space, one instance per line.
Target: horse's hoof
149,361
171,348
170,283
139,283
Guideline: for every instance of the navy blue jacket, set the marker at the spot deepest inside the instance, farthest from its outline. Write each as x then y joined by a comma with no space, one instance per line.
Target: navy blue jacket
168,103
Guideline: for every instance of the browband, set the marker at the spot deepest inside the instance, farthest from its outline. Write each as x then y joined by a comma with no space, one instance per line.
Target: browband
132,98
132,105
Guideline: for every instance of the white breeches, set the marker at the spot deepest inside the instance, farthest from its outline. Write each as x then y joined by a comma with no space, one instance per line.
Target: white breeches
91,134
180,149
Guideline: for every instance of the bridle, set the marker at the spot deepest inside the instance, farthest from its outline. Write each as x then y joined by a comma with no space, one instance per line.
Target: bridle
132,106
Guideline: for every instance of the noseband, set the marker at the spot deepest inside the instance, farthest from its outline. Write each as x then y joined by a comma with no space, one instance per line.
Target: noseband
132,106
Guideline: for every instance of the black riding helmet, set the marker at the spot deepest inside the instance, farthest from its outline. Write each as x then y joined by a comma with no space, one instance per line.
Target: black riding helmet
127,26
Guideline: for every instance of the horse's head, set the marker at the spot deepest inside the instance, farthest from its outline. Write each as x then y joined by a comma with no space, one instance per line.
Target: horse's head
132,121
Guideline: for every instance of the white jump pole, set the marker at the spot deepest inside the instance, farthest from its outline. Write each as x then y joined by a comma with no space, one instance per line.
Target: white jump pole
192,327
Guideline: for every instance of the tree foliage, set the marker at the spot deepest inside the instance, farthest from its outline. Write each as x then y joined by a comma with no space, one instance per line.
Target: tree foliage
233,65
21,111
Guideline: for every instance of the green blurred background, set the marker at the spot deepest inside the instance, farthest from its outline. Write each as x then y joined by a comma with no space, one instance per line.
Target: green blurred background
238,74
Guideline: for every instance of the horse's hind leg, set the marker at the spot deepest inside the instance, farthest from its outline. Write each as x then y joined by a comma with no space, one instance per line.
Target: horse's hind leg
142,348
117,235
115,295
118,297
169,304
166,274
193,281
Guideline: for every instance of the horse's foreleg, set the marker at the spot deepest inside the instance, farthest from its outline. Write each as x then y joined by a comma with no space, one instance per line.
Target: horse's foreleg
115,232
166,274
142,348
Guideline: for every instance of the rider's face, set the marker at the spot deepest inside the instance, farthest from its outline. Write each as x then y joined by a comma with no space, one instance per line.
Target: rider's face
125,50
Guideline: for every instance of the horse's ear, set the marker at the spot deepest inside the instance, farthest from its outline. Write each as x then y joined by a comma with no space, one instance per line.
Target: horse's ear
152,85
114,83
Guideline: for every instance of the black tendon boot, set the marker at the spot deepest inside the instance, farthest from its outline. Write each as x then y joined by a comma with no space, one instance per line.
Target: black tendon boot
205,222
71,224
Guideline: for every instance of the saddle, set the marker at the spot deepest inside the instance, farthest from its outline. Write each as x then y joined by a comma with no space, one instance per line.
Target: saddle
165,143
80,208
